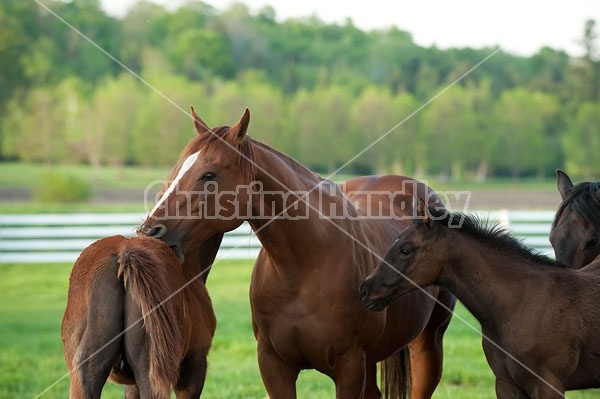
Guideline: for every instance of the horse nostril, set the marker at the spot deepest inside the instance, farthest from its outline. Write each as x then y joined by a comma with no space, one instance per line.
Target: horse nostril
364,291
156,231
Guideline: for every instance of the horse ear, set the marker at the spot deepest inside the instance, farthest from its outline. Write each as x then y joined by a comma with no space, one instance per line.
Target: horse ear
200,126
563,182
422,212
238,131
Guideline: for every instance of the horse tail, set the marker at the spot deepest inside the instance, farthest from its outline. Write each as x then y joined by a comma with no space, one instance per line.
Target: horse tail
149,284
396,376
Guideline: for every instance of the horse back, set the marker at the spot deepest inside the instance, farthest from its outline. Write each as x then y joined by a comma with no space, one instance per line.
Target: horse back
386,203
388,195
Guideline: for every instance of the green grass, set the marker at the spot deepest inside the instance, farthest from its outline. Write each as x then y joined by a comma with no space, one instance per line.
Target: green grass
15,208
33,297
27,175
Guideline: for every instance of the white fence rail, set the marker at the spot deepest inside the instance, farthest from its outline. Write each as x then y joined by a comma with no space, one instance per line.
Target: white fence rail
56,238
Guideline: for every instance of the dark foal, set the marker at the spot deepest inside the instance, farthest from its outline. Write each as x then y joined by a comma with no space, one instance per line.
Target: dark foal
540,324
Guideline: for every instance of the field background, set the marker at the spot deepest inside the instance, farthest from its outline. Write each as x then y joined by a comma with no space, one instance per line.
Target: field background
122,189
32,301
33,296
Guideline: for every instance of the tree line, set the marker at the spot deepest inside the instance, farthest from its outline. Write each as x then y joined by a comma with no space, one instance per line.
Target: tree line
319,92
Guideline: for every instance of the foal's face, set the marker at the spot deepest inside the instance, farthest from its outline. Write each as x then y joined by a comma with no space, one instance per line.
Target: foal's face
410,263
576,241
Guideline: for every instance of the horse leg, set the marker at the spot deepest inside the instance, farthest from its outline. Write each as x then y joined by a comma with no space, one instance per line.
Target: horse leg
278,376
508,389
350,375
132,392
136,348
543,385
100,343
192,376
546,392
426,351
371,389
93,363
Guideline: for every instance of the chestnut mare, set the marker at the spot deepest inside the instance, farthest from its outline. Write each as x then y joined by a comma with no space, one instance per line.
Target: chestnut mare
541,325
575,233
318,245
126,320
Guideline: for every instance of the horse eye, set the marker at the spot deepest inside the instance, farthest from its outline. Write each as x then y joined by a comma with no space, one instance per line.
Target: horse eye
590,244
404,251
208,176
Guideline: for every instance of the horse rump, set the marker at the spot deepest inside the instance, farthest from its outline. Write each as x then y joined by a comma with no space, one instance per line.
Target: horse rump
153,301
123,317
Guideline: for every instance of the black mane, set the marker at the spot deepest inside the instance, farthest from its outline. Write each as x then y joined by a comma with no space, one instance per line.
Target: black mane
488,232
584,200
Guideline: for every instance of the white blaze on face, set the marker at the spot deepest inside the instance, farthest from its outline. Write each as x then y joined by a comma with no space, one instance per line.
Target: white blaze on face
187,164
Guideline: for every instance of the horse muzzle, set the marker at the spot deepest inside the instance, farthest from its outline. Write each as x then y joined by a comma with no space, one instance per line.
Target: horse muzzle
154,231
159,231
376,296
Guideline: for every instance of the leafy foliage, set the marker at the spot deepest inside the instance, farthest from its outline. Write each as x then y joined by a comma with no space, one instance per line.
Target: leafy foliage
320,92
55,187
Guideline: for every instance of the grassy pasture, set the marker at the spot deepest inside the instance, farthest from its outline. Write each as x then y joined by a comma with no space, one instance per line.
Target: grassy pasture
33,297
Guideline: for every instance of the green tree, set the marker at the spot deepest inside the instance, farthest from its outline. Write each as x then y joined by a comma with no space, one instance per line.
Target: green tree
322,123
71,106
72,53
592,58
34,128
522,120
582,141
162,124
199,53
144,26
377,113
110,121
449,126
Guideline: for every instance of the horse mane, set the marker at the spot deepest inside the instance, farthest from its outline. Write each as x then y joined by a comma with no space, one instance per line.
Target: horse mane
584,200
487,232
291,162
215,140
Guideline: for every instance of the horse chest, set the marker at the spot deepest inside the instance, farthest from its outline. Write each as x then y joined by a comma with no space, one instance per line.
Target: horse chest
299,326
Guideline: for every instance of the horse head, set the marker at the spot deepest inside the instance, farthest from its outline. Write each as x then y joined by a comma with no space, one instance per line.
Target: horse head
575,234
208,192
399,272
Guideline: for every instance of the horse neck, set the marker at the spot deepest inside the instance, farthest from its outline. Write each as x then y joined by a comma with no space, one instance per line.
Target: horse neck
484,278
292,237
